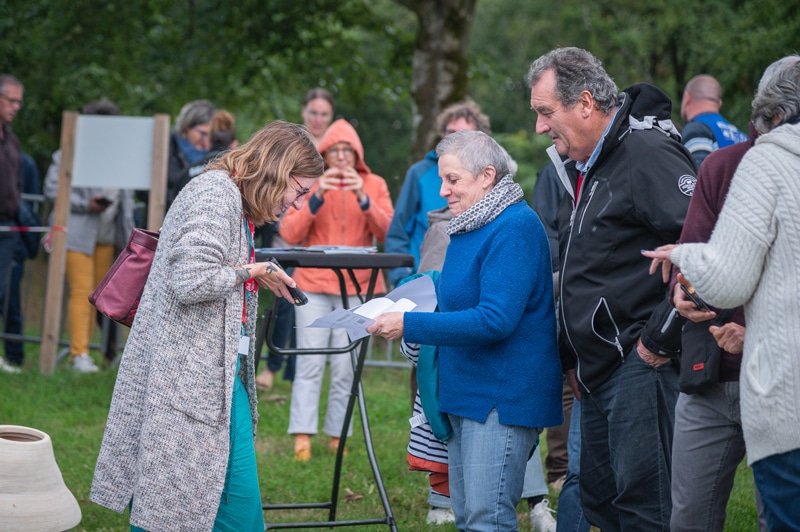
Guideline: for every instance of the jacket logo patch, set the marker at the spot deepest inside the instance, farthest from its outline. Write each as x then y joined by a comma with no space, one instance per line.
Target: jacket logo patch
686,184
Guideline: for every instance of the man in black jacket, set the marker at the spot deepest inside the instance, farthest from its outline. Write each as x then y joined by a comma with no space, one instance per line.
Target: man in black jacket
629,191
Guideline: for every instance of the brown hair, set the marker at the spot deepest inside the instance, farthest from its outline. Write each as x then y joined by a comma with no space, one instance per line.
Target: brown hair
262,166
222,131
466,109
318,92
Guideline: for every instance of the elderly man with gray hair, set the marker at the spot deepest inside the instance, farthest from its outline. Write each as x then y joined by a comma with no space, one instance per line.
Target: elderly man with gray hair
752,258
629,191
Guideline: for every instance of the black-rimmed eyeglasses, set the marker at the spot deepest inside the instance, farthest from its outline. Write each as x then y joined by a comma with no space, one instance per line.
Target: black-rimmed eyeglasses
302,191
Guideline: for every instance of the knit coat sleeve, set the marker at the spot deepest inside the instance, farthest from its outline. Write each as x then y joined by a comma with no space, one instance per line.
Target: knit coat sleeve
200,268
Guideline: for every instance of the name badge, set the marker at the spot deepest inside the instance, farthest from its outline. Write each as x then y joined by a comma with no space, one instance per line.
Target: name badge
244,345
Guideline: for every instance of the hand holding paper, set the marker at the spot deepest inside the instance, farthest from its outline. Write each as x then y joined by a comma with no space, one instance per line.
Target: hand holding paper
418,295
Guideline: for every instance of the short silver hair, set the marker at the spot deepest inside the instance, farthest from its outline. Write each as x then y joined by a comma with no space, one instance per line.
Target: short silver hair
576,70
476,150
193,114
8,79
778,93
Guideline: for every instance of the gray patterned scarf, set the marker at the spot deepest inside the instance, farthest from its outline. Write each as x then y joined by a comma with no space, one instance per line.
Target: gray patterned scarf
504,193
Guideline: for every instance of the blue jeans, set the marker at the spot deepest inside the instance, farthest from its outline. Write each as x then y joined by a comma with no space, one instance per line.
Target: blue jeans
570,516
534,483
777,478
626,447
487,469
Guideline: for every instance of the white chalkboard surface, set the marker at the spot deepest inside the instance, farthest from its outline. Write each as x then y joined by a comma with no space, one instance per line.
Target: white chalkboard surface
113,152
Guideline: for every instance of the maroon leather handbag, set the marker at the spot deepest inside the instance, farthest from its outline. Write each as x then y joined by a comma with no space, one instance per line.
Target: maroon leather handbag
118,294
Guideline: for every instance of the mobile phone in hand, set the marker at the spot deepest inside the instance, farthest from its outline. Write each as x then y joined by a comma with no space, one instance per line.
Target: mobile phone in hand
299,297
699,304
105,202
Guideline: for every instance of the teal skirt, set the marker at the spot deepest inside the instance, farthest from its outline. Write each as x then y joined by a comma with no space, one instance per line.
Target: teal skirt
240,505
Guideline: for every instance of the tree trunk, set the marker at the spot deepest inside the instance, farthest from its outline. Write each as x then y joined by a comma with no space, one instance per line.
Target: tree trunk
440,63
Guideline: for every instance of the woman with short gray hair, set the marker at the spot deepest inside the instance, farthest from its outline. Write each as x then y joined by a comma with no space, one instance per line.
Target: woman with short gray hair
499,371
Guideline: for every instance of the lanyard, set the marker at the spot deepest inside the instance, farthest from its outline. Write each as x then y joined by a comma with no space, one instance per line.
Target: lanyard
250,286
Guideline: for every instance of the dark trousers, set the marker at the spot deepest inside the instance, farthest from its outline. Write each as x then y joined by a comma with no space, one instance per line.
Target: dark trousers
283,334
13,314
626,447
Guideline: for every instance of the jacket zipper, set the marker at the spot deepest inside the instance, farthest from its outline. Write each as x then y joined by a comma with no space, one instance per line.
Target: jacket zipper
588,201
616,341
561,290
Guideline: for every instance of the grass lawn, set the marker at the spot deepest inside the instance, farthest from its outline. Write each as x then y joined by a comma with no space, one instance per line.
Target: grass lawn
72,409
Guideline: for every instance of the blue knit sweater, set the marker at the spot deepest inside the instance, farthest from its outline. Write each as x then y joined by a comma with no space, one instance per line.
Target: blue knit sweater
496,328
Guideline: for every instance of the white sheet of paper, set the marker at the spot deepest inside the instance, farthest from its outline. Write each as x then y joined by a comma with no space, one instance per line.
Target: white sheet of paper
418,295
376,307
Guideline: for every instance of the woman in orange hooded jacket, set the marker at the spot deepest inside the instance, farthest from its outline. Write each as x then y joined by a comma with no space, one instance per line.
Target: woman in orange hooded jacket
349,206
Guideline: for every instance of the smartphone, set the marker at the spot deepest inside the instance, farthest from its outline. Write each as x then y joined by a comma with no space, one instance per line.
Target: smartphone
105,202
299,297
694,298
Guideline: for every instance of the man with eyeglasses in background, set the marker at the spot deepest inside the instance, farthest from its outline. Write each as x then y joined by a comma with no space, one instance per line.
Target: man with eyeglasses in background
11,91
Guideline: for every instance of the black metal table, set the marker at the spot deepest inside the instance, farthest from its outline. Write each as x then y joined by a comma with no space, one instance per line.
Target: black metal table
339,262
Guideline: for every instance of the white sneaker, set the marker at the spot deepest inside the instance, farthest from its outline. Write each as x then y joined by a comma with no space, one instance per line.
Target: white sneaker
542,519
84,364
8,368
441,516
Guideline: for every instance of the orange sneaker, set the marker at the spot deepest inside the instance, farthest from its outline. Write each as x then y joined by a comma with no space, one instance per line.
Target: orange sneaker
302,447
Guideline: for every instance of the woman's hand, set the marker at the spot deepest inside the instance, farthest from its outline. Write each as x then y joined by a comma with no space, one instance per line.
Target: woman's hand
331,179
389,325
660,255
352,180
268,275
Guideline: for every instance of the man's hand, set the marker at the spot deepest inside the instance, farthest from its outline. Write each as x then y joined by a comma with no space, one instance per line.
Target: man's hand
648,356
729,337
572,380
684,305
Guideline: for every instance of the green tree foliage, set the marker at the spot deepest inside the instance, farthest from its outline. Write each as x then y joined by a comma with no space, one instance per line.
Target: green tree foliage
255,58
663,42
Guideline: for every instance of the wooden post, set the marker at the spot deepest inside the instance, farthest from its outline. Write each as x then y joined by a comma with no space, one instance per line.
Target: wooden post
58,256
57,263
157,204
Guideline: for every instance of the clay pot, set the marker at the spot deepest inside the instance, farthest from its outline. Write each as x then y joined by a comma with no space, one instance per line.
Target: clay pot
33,495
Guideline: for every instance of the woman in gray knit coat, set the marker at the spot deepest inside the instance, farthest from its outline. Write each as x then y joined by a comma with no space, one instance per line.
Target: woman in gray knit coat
178,445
